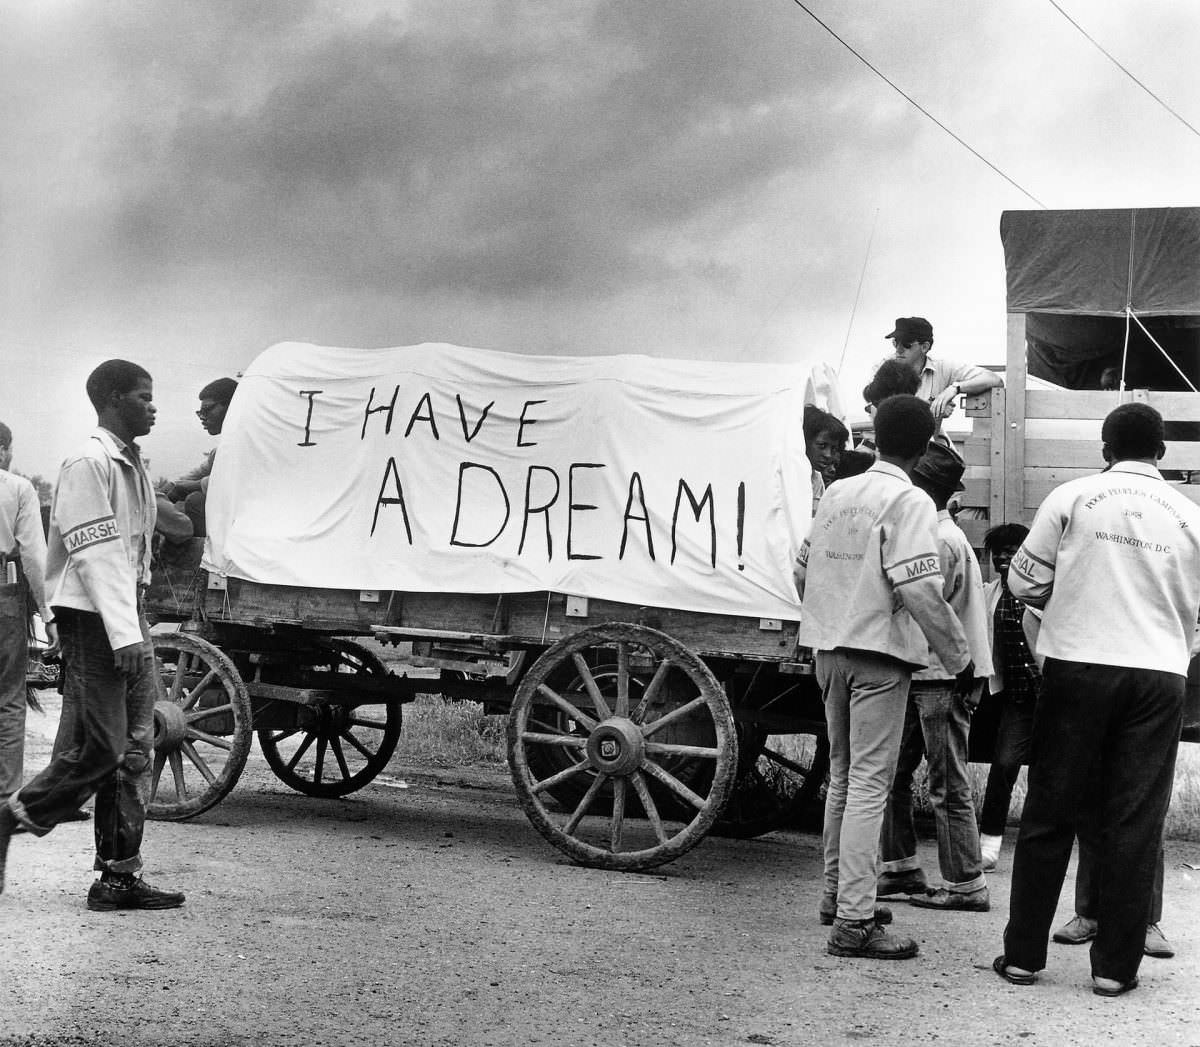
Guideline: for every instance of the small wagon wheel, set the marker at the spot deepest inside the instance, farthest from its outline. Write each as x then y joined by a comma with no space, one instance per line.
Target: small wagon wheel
335,748
673,739
779,786
201,727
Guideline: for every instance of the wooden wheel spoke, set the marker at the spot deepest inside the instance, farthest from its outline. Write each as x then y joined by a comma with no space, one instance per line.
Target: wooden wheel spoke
648,804
193,695
319,768
298,755
672,783
589,722
366,753
549,728
176,761
160,760
783,761
336,745
704,752
567,741
590,685
210,739
203,714
622,679
562,776
284,735
181,669
189,750
584,804
618,814
651,691
687,709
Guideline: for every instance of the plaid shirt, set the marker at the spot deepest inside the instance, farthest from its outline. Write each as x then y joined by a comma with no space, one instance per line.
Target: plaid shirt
1021,676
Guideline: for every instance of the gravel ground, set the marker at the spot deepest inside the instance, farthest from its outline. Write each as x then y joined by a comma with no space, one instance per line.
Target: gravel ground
424,910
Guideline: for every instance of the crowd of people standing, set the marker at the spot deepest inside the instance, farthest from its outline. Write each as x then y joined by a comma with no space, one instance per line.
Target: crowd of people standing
906,639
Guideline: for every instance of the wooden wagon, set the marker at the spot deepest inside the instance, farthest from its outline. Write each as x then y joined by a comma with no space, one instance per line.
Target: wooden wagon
633,729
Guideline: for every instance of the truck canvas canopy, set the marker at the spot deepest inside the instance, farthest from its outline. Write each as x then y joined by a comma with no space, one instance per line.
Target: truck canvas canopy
1107,288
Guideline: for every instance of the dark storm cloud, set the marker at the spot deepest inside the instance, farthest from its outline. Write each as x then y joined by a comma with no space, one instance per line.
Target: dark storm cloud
535,147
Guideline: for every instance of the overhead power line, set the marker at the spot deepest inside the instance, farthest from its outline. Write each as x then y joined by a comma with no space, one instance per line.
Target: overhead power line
917,105
1107,55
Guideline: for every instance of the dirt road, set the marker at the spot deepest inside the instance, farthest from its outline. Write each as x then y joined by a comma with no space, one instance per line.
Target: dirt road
435,915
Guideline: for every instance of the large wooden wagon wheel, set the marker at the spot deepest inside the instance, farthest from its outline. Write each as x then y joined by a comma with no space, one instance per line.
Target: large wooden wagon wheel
622,744
201,727
335,748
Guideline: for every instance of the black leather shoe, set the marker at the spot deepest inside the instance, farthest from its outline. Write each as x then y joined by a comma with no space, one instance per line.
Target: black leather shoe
1012,975
107,896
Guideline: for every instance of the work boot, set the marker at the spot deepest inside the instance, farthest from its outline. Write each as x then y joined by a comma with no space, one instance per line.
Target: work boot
961,901
828,911
1076,931
867,940
911,881
1157,944
124,891
8,823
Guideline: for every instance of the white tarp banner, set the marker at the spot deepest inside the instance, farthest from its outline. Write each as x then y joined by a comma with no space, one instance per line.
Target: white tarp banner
435,468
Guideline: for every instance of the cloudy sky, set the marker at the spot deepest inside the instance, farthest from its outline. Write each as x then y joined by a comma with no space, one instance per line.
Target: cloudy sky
183,183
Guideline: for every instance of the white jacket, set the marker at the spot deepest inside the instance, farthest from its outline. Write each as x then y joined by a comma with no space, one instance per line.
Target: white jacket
101,526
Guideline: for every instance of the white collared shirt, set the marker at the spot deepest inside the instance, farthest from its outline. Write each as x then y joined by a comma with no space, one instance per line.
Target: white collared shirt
1114,559
869,575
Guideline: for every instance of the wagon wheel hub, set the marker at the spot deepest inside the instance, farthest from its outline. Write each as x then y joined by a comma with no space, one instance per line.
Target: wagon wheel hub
170,726
616,746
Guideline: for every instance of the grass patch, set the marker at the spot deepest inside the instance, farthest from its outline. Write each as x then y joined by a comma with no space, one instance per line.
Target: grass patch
447,732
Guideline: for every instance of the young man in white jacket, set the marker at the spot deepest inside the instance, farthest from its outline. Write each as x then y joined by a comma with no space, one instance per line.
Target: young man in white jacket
870,581
98,563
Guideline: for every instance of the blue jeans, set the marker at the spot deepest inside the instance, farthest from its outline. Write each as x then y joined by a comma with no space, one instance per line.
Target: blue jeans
104,745
1120,728
936,723
865,695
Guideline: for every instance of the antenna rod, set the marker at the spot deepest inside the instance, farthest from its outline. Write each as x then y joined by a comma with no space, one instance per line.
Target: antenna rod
861,277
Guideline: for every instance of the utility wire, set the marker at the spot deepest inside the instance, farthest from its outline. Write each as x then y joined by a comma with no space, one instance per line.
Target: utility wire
916,105
1107,55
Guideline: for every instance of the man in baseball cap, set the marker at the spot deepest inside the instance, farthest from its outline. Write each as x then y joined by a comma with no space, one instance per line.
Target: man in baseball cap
941,381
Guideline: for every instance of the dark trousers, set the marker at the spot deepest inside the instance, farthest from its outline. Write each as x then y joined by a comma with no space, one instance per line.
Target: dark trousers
1014,734
104,746
1104,746
1087,877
